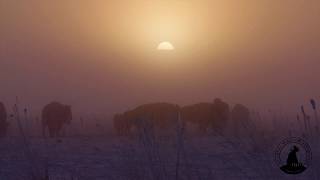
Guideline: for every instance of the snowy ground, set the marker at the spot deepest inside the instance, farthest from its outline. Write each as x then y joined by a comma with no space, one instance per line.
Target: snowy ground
91,158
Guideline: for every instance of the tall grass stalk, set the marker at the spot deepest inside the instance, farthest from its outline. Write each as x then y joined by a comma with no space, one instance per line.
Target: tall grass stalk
147,138
316,118
35,171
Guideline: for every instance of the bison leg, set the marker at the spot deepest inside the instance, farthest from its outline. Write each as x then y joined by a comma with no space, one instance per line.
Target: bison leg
44,127
52,132
60,131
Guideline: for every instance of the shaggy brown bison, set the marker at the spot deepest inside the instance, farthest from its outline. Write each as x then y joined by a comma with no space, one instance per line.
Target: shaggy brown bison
162,116
3,121
158,115
207,116
54,116
201,114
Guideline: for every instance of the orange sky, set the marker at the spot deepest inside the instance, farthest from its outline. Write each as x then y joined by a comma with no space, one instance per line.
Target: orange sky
101,56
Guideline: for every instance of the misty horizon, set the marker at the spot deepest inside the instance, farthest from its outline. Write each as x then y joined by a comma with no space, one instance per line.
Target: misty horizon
266,58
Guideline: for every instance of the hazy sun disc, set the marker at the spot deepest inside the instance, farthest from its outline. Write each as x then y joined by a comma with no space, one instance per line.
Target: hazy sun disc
165,46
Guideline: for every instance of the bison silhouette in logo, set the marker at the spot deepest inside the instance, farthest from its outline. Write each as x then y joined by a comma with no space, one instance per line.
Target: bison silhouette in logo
293,155
54,116
293,165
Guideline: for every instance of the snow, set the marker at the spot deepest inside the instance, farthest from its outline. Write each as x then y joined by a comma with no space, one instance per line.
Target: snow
111,157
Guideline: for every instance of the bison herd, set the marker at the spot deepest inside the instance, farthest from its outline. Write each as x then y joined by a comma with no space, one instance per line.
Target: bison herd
206,117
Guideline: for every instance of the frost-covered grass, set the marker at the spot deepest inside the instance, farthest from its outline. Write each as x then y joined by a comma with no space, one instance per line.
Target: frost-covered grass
110,157
211,157
146,155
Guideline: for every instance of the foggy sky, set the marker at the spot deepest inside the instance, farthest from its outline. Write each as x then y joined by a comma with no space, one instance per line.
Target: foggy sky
100,57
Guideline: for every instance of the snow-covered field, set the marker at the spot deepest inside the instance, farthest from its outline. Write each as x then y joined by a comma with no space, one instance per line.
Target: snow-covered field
110,157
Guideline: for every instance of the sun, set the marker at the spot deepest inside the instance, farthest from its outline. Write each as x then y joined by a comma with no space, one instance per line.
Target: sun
165,46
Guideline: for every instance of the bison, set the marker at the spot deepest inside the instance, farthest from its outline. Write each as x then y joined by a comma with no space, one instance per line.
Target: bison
54,116
207,116
162,116
159,116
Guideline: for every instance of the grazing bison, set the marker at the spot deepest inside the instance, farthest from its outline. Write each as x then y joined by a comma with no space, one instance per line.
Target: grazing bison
240,116
3,121
159,116
54,116
207,115
201,114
